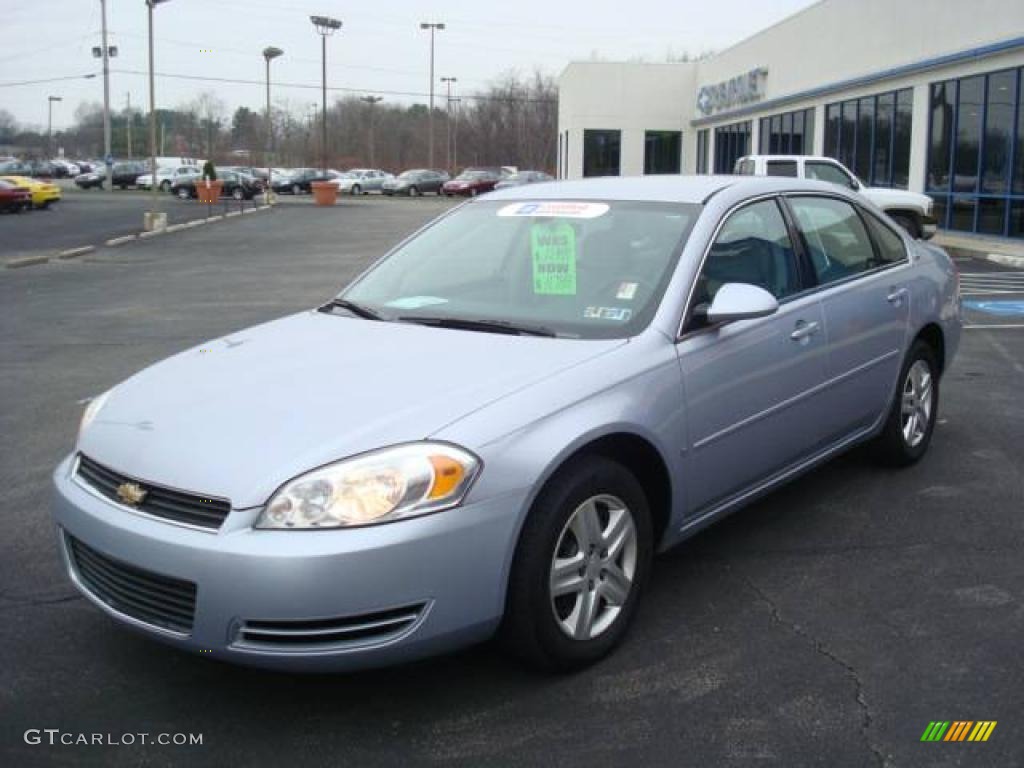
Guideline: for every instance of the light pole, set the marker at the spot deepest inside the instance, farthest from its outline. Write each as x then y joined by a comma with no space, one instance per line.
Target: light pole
49,124
325,26
105,53
455,132
448,112
270,53
153,220
433,27
372,101
128,98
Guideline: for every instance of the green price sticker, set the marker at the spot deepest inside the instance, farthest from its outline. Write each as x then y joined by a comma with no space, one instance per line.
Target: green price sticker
554,259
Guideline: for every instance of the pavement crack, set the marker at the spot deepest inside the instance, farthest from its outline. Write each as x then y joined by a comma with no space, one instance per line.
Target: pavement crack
822,650
14,603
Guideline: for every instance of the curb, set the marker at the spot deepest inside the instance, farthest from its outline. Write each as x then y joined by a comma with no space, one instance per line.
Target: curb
1017,262
71,253
27,261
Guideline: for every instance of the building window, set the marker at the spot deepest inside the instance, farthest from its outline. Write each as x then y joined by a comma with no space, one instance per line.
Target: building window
702,150
789,134
975,167
731,143
601,152
871,137
663,152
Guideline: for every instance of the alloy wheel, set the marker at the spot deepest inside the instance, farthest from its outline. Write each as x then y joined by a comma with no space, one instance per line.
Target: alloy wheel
916,410
593,567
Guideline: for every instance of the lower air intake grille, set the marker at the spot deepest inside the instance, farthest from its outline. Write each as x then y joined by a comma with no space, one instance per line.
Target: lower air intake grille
149,597
365,629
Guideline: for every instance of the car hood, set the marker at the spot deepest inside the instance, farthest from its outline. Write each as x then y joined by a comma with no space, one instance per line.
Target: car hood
238,416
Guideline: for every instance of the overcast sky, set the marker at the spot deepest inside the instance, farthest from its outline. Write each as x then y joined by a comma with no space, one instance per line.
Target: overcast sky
380,49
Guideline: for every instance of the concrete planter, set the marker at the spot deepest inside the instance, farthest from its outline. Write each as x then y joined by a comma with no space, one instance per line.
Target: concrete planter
324,192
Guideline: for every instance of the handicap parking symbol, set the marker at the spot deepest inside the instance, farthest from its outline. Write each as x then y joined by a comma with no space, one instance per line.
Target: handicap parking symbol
1000,308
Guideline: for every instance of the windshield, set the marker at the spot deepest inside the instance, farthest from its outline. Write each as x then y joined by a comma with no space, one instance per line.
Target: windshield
580,269
409,175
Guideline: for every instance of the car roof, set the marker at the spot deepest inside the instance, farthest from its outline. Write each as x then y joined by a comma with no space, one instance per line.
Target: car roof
789,157
666,189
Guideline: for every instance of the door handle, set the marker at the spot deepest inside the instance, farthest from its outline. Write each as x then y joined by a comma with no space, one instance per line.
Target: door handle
804,330
896,296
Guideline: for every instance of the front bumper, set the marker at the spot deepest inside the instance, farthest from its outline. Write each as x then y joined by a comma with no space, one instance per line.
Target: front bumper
452,566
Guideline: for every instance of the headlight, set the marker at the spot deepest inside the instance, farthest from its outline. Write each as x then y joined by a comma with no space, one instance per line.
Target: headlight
377,487
92,409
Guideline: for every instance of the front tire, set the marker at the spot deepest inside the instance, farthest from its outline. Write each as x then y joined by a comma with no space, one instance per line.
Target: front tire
296,189
911,422
165,186
238,193
356,190
414,192
582,561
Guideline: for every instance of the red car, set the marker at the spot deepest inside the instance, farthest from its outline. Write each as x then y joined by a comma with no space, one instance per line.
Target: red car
471,183
15,199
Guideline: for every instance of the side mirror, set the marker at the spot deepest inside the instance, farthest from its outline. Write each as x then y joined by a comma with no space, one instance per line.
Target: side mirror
741,301
855,185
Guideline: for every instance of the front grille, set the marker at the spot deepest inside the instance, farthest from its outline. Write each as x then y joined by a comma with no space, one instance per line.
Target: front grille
365,629
149,597
178,506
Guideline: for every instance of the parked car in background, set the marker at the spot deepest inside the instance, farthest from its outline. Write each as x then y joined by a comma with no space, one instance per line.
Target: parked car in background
240,186
471,183
42,193
360,181
910,210
63,169
415,183
300,180
14,199
671,349
126,174
519,178
91,180
168,175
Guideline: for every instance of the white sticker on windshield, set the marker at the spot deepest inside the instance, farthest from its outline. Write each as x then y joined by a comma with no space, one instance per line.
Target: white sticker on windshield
415,302
620,314
626,291
560,209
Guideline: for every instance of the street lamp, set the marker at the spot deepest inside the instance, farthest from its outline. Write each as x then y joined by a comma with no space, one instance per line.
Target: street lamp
433,27
372,101
448,81
49,123
269,54
324,26
153,219
105,53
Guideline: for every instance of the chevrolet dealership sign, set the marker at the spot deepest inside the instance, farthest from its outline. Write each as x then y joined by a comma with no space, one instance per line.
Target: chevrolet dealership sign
731,93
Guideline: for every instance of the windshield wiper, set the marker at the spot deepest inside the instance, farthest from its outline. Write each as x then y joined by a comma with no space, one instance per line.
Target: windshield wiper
488,326
356,309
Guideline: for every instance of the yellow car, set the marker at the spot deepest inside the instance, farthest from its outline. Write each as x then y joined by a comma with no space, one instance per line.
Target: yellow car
43,192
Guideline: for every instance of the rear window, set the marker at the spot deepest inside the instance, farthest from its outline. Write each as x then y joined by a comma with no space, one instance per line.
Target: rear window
782,168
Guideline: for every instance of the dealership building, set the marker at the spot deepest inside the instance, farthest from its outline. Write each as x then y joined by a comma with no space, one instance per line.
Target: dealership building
926,95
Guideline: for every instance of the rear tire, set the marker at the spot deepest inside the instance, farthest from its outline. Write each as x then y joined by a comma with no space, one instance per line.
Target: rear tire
296,189
908,429
595,604
238,193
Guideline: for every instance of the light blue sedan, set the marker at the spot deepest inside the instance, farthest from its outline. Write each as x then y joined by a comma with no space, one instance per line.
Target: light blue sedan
497,426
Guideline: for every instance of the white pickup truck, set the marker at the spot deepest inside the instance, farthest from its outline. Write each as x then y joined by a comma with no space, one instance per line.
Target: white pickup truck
908,209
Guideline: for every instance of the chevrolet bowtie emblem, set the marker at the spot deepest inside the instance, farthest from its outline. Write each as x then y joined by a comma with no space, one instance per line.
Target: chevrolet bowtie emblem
130,493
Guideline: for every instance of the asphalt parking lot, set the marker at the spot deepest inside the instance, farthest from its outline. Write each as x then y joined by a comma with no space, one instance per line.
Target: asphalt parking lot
825,625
